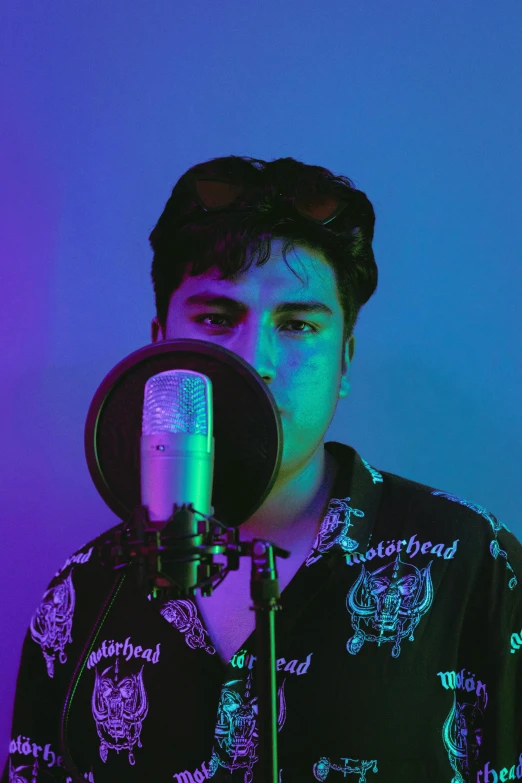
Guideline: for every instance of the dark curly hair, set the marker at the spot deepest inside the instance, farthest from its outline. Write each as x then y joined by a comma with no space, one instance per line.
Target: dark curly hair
188,238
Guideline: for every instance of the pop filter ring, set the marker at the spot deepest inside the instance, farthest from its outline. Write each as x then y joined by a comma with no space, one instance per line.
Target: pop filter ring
247,428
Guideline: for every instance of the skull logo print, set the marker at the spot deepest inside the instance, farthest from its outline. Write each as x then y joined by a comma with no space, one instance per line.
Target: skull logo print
236,732
119,707
392,604
51,624
462,736
18,774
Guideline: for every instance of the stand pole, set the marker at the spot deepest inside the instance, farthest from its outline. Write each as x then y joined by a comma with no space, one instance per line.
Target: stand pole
264,589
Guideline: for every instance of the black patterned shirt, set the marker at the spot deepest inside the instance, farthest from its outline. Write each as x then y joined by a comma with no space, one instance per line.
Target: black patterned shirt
399,658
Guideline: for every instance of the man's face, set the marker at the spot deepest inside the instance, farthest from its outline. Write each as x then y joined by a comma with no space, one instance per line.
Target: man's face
296,351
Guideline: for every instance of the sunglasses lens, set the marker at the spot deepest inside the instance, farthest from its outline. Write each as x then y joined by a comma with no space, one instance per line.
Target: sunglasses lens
215,194
320,208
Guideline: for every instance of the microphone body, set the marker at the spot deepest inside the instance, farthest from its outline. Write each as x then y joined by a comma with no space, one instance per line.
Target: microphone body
177,464
176,467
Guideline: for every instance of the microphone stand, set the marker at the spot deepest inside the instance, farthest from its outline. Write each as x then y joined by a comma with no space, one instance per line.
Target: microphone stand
170,565
264,591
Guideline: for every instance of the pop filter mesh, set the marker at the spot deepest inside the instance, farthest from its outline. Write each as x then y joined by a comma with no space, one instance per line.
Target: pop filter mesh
247,432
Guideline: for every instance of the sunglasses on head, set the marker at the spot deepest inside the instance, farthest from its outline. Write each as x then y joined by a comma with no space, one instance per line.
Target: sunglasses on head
217,191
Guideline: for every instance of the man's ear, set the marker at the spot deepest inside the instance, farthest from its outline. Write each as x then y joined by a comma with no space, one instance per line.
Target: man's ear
156,332
348,352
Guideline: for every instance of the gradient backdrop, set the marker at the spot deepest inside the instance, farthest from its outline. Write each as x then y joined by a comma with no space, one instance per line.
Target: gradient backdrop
106,103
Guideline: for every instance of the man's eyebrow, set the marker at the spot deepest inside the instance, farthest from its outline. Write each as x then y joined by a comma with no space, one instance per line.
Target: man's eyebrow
210,299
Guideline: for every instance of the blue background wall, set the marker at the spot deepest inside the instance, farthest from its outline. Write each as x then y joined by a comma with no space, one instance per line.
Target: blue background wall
104,106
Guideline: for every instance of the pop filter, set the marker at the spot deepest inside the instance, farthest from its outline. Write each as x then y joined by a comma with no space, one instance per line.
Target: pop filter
247,428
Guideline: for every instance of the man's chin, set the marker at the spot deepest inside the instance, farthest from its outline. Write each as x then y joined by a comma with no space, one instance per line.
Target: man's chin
295,459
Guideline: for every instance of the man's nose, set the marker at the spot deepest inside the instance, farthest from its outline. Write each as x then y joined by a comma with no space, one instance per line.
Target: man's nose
257,347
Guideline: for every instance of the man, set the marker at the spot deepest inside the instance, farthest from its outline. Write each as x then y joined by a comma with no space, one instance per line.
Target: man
398,643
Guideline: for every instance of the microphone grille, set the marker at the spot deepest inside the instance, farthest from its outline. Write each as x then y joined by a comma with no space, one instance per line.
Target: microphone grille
176,401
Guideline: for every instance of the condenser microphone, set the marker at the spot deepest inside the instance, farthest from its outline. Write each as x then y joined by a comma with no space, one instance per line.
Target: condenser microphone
177,462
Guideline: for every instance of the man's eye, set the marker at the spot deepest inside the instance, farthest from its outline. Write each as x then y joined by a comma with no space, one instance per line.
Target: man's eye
201,318
310,329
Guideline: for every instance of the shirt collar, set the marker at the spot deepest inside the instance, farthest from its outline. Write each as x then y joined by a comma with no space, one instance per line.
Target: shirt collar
350,518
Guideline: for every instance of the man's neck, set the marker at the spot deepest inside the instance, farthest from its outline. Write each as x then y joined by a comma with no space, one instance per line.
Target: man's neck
294,507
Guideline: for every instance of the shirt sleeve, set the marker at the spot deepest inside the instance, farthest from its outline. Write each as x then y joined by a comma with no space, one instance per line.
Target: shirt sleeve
34,747
502,637
46,668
